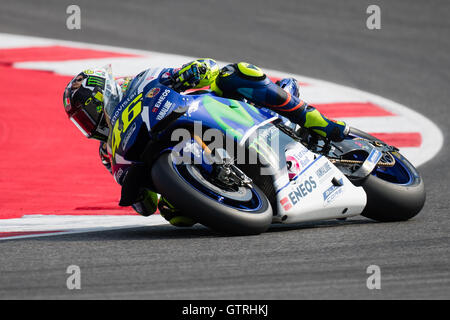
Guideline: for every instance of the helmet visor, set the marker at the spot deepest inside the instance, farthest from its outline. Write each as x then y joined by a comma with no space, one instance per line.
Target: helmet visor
86,116
84,122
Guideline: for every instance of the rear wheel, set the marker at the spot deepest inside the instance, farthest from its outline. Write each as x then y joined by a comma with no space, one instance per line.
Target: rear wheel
394,193
239,210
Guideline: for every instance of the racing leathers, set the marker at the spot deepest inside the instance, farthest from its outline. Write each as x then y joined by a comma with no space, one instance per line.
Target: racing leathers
242,81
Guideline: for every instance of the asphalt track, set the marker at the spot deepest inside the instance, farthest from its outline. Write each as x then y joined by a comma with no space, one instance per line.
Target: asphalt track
406,61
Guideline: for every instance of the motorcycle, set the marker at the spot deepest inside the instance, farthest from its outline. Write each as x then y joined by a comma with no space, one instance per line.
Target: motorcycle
259,170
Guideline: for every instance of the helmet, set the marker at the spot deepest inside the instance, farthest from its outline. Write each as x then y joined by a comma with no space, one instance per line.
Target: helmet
86,97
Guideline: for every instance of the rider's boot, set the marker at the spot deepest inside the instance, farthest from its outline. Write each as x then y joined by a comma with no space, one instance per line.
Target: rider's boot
248,81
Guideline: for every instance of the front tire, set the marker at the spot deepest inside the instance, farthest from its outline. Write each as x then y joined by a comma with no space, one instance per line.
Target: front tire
175,184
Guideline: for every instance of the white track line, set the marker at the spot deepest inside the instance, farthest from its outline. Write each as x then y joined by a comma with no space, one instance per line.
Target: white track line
74,224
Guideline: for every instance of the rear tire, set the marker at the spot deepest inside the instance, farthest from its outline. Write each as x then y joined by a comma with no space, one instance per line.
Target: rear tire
204,209
387,201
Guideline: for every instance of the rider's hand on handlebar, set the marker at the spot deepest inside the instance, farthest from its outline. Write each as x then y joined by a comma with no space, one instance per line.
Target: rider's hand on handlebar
189,76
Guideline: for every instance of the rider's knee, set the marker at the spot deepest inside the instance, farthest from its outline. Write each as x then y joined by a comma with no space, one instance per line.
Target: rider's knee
238,75
249,71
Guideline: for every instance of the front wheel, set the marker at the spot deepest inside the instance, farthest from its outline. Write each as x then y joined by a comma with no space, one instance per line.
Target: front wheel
239,210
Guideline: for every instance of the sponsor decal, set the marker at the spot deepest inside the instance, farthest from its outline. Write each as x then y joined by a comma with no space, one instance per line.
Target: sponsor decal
129,134
161,99
332,192
334,195
299,159
67,103
153,92
166,75
304,162
164,110
285,203
94,81
324,169
100,73
121,107
129,114
293,167
374,156
303,189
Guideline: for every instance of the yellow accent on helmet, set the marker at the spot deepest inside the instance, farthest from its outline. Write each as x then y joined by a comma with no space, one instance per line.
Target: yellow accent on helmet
99,96
250,70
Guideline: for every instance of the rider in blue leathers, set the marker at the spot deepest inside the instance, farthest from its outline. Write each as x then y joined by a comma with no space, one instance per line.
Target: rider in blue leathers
89,96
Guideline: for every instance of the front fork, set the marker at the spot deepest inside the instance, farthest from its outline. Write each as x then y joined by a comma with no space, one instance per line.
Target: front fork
220,164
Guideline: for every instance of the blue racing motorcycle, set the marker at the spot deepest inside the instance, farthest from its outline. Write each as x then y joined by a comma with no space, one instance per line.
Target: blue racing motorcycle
237,168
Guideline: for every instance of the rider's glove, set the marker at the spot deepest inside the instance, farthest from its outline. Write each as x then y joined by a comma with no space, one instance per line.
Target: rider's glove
196,74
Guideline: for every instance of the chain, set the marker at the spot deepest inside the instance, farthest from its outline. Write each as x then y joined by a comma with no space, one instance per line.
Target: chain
382,163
